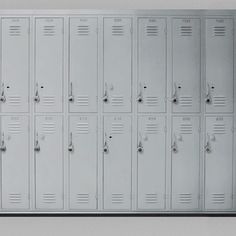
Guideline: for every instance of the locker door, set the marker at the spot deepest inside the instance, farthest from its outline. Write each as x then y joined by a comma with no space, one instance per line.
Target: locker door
117,162
48,64
117,64
218,163
151,65
83,64
49,162
219,65
151,162
15,65
83,162
186,65
185,163
15,162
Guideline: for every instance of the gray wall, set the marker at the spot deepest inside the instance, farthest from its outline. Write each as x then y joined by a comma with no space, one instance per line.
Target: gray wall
117,226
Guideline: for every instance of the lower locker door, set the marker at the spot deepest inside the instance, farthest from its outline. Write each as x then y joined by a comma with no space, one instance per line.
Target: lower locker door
117,162
218,163
151,162
15,162
49,162
83,162
185,163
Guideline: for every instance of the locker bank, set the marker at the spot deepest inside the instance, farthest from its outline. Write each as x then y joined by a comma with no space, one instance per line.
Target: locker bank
117,112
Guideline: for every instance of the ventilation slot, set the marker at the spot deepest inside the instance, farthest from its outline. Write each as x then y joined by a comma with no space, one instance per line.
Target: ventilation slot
151,101
185,198
219,101
117,30
49,30
82,30
152,30
151,198
49,128
219,129
219,31
218,198
15,30
82,101
117,100
117,128
117,198
14,100
186,128
15,198
49,198
82,128
48,100
14,128
151,128
186,31
186,101
82,198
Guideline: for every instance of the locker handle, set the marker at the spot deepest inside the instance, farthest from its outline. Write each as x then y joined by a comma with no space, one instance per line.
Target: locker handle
208,98
140,94
3,97
174,146
36,97
208,145
36,146
71,146
71,97
140,144
3,146
174,98
105,96
105,146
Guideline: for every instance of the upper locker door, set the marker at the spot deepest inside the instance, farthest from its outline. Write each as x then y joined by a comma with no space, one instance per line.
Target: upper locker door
185,163
219,65
218,163
151,149
117,64
15,65
151,65
186,65
83,162
83,64
49,162
48,64
117,163
15,162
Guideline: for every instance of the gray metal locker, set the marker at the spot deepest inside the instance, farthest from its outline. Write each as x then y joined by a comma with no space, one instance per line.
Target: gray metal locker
151,65
186,65
83,162
151,151
117,163
83,64
117,64
185,162
49,64
14,90
15,161
218,163
219,65
48,147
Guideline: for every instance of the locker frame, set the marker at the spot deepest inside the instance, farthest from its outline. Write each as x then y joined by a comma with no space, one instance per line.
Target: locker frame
134,14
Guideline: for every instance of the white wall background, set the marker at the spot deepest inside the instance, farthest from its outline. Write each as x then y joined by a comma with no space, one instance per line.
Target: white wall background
116,226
